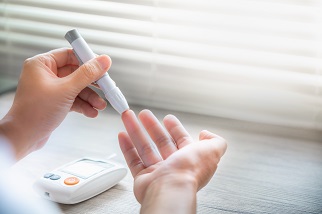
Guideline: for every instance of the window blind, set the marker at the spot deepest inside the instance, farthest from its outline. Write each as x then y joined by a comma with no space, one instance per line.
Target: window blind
251,60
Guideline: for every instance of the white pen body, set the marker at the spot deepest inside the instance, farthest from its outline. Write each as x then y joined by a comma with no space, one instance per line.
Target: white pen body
107,85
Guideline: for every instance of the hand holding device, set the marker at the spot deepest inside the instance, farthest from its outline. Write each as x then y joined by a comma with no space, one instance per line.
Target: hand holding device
84,54
50,86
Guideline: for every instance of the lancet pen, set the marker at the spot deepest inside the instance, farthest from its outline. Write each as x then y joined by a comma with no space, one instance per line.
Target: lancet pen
83,52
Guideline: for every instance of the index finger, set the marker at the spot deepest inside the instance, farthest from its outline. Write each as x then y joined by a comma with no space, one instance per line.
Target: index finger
63,57
141,142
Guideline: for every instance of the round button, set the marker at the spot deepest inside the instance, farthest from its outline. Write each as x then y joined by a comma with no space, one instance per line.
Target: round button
48,175
71,181
55,177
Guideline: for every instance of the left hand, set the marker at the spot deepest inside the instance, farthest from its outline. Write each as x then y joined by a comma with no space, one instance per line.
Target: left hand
51,85
182,159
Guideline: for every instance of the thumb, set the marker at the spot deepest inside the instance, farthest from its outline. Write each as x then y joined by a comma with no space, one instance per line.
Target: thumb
218,142
89,72
206,135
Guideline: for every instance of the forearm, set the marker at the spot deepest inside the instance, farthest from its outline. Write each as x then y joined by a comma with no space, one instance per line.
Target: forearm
9,132
170,196
12,130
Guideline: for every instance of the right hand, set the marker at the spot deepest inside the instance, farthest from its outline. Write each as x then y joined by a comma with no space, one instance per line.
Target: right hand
51,85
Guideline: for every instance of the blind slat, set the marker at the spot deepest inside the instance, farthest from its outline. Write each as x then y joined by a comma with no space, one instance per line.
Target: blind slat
258,61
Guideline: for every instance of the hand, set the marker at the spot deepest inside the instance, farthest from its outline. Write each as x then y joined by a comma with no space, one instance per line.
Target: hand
51,85
183,163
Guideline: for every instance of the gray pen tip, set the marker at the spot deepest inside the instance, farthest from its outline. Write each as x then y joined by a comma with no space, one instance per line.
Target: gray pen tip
72,35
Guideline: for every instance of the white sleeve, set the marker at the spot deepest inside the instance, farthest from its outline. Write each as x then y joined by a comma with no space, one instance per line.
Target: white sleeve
13,195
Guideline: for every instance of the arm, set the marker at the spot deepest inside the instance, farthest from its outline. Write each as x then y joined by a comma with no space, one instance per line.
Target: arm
50,86
168,182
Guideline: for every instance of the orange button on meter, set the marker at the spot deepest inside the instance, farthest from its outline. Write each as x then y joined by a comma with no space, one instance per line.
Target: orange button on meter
71,181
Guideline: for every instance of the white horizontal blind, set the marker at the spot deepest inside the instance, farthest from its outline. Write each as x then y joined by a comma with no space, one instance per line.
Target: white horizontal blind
252,60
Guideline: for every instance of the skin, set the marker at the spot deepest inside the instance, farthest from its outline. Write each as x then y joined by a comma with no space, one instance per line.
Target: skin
51,85
167,180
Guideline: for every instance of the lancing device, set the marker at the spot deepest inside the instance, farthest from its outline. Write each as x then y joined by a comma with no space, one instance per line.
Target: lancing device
112,93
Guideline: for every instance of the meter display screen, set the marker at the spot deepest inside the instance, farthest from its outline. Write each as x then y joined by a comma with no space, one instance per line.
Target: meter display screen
86,168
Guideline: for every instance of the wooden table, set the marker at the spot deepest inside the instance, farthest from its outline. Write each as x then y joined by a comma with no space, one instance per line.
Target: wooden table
266,169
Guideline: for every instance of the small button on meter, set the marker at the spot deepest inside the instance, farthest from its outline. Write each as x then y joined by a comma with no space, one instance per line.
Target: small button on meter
71,181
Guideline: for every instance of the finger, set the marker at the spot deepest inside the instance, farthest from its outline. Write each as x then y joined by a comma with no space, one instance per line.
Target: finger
63,56
84,108
177,131
209,152
219,142
56,59
90,96
88,73
204,135
130,153
66,70
158,134
145,150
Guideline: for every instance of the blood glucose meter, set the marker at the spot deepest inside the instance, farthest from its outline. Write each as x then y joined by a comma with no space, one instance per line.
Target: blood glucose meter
79,180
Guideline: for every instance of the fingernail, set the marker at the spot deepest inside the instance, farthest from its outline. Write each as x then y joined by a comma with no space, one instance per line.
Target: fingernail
145,111
104,61
101,103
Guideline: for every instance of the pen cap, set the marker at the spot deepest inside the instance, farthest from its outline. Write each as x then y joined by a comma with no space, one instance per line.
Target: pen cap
81,48
72,35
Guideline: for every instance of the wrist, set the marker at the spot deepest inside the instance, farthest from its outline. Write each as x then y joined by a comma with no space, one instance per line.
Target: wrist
175,193
9,130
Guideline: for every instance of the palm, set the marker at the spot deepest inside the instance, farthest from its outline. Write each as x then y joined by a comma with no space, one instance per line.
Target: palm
175,145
